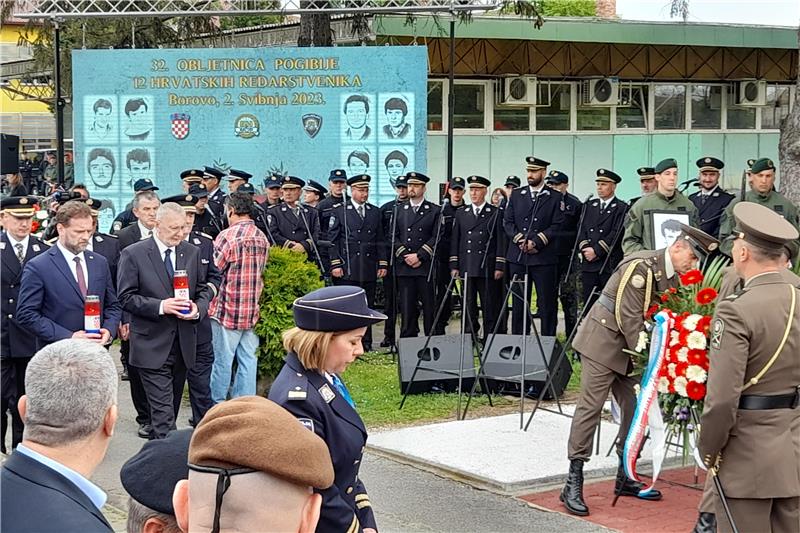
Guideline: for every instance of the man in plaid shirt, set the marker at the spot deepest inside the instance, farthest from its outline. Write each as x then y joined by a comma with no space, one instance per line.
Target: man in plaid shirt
240,253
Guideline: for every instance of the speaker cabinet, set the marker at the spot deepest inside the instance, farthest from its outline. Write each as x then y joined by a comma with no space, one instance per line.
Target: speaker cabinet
503,365
438,363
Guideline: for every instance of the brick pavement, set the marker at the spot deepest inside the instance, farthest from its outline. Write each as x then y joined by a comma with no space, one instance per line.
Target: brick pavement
676,512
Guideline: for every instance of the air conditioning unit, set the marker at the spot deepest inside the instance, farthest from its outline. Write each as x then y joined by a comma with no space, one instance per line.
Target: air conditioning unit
600,92
518,91
751,93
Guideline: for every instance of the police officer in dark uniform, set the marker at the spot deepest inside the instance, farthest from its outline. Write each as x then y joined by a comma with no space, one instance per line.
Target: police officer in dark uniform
337,183
17,346
313,193
292,225
192,176
388,211
309,387
235,178
531,222
414,240
647,183
204,220
711,200
477,253
565,244
212,177
454,201
512,182
359,251
600,235
126,218
199,376
272,191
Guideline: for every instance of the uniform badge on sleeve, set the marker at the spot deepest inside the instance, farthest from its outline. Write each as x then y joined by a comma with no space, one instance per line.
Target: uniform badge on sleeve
307,423
637,281
716,333
327,393
36,247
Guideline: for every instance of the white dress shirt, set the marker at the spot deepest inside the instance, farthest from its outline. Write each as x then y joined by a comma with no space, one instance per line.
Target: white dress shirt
70,258
145,233
478,208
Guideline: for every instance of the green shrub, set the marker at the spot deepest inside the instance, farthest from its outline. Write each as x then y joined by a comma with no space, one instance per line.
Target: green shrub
287,277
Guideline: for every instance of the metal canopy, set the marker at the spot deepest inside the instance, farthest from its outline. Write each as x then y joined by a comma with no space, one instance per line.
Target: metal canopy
68,9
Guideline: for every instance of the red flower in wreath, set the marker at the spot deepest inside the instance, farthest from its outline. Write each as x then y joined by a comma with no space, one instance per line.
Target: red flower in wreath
692,277
706,296
704,324
652,310
695,391
665,297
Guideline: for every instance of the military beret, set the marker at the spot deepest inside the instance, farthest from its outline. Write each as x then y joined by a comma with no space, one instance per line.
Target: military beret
646,173
186,201
750,163
666,164
292,182
513,181
417,177
760,225
710,163
761,165
457,182
199,190
603,174
192,174
557,177
362,180
212,172
246,188
150,476
256,433
234,175
337,308
534,163
144,184
478,181
315,186
701,242
19,206
337,174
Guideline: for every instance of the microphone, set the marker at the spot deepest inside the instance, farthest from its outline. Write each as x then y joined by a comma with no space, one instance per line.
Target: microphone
689,182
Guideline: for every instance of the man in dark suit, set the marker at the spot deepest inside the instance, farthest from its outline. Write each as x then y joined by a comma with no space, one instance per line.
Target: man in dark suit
70,409
55,284
358,252
145,205
17,346
532,221
163,328
711,200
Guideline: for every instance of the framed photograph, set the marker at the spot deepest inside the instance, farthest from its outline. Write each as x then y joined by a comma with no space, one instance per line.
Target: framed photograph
666,227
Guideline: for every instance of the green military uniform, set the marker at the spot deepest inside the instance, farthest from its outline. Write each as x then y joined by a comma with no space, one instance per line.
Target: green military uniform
773,200
750,428
639,231
613,325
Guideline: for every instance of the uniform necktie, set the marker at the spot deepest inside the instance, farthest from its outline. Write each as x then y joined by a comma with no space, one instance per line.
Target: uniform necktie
602,206
296,211
342,390
168,263
703,198
361,211
79,275
20,252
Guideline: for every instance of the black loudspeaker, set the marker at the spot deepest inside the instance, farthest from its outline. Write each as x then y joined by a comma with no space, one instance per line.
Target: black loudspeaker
504,364
9,154
438,367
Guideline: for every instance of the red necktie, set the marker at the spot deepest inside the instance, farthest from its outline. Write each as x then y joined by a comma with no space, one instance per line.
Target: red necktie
79,275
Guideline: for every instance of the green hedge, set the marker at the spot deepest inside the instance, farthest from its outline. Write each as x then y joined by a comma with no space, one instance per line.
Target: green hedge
287,277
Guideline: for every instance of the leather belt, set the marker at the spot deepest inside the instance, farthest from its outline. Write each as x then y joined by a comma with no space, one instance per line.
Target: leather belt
762,403
606,301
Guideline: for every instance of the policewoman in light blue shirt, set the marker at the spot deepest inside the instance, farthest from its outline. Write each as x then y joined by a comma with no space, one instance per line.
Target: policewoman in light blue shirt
329,326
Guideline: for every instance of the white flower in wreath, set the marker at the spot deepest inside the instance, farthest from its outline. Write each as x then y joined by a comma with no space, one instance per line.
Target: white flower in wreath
637,389
641,343
663,385
683,354
674,338
671,370
696,373
690,322
696,340
680,386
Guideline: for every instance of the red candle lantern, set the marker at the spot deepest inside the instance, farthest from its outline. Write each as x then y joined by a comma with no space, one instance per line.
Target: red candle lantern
91,314
180,283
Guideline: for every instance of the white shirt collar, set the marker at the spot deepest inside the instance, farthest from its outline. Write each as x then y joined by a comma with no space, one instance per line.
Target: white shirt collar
356,204
535,190
14,242
478,207
143,231
163,247
69,256
417,204
708,193
669,270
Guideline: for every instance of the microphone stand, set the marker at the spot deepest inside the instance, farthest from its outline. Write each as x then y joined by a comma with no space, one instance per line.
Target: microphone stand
685,185
489,240
264,220
392,266
311,237
619,233
439,225
578,236
346,230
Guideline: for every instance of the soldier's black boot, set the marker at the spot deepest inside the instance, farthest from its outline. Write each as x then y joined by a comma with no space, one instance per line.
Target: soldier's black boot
706,523
625,486
572,495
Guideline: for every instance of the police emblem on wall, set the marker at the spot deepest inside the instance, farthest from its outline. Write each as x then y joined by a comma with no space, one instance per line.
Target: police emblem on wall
312,123
246,126
180,125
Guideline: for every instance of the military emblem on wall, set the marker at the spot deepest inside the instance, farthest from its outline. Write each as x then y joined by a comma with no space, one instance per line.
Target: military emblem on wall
312,123
246,126
180,125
